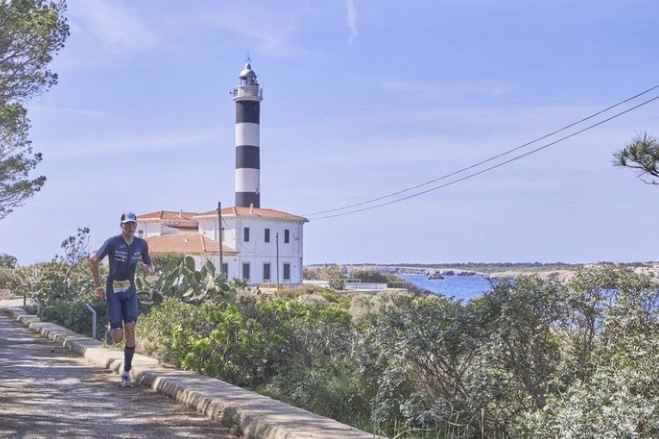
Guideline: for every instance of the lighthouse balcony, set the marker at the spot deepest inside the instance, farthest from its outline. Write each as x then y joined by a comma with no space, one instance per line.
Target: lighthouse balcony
247,91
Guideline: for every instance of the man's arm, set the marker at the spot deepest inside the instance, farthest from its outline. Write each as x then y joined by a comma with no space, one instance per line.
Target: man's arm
99,291
148,268
147,265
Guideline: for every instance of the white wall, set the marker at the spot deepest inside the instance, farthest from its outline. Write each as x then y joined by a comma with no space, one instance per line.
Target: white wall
256,251
147,229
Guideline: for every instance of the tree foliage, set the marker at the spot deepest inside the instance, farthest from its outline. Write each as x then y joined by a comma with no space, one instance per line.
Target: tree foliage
641,155
76,248
31,32
333,274
518,317
614,331
67,278
369,276
531,358
8,261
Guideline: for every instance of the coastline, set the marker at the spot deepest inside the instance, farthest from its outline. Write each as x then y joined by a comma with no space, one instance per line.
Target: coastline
556,271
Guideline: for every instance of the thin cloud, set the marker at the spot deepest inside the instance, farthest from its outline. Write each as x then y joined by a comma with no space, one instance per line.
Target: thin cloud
69,110
352,21
107,115
111,27
67,149
491,89
270,31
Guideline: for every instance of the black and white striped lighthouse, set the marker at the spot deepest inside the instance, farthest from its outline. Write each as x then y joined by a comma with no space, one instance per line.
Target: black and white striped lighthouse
248,96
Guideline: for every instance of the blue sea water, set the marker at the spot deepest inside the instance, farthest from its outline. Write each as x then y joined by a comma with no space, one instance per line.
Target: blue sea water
458,287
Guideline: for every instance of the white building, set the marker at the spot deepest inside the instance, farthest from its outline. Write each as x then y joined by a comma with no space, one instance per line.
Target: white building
262,246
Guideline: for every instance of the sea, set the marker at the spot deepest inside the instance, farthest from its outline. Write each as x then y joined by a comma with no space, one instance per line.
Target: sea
457,287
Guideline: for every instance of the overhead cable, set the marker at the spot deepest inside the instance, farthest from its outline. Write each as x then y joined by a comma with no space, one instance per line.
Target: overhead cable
444,177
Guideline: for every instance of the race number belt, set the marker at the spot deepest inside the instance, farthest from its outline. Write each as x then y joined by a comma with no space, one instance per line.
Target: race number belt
119,286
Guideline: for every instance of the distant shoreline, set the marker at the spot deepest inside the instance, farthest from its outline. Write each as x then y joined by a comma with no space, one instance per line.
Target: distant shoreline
556,271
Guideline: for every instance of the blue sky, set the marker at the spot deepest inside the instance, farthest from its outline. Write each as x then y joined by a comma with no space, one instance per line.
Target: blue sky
362,99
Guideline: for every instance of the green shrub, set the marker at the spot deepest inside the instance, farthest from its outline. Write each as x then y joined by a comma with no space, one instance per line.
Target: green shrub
74,315
530,358
168,330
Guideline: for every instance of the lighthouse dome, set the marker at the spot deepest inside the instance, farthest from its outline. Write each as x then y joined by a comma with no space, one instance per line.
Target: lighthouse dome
247,72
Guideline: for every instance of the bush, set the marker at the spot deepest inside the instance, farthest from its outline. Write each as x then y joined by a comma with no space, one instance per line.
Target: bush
10,280
168,330
324,392
74,315
530,358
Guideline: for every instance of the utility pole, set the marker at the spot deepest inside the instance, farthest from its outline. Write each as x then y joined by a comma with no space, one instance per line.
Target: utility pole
219,233
277,246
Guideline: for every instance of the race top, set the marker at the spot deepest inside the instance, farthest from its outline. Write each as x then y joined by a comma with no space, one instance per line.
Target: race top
123,257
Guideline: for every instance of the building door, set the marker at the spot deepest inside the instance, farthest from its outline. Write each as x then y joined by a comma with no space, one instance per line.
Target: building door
266,272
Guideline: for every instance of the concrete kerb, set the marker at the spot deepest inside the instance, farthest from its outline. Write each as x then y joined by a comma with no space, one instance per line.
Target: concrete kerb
259,417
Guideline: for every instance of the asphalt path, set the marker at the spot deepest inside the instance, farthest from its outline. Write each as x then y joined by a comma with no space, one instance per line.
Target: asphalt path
48,391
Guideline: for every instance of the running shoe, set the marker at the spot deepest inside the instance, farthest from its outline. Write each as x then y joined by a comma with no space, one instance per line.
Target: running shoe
108,336
125,380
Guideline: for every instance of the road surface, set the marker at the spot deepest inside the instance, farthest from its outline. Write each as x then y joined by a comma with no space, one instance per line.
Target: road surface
48,391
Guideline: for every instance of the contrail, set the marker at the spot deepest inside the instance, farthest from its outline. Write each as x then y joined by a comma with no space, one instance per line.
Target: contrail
352,20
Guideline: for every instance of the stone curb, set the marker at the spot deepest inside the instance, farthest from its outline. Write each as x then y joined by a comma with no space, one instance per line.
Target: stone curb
259,417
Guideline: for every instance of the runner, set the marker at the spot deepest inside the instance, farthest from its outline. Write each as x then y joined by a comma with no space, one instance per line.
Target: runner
123,251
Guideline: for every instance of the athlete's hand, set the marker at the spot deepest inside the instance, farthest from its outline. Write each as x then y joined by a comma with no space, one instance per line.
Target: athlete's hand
99,293
148,269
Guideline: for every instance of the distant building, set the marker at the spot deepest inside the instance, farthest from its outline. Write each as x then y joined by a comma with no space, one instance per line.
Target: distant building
262,246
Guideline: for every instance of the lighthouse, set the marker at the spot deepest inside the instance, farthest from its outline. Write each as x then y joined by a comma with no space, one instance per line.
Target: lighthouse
262,245
248,96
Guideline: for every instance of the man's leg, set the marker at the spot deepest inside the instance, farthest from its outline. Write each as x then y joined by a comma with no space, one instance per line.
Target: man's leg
129,348
115,316
130,320
117,334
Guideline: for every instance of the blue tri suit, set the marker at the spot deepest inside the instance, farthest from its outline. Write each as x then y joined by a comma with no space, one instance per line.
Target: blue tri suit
120,290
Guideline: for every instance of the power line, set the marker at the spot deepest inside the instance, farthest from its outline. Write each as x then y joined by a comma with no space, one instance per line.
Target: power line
489,160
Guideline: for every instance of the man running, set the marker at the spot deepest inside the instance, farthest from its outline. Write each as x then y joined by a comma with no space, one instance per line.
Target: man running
123,251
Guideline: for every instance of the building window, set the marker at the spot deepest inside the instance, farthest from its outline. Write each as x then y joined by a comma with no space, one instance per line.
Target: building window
246,234
287,271
222,234
225,269
246,271
287,236
267,235
266,271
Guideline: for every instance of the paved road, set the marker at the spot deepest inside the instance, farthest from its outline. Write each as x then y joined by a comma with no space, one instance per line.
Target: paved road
47,391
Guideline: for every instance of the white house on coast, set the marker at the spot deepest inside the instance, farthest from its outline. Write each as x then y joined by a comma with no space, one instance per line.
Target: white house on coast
259,245
262,246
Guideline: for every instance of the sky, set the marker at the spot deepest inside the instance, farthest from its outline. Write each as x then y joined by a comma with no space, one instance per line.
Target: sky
406,132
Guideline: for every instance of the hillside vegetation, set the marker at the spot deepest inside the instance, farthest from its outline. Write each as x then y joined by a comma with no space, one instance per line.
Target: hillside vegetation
533,358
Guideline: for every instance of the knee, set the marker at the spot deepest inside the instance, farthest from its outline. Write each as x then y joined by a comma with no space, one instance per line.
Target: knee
117,335
130,333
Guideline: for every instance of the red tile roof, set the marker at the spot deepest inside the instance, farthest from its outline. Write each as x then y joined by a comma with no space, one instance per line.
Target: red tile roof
185,228
167,214
189,244
248,211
